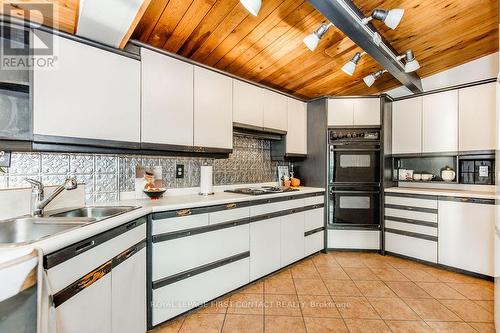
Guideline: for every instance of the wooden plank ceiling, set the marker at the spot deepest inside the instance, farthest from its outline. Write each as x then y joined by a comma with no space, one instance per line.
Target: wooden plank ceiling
268,48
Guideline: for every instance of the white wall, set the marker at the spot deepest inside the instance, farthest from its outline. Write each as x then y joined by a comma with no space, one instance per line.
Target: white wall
476,70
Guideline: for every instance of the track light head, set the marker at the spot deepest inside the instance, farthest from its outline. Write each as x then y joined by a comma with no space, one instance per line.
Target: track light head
253,6
350,67
391,17
370,79
411,64
313,39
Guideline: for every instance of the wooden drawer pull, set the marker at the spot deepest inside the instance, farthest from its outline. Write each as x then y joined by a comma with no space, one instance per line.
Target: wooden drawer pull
184,212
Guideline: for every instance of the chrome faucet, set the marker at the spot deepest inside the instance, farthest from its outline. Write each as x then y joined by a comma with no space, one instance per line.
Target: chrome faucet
38,200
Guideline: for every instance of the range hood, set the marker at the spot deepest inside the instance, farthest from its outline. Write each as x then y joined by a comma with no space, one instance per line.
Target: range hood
258,132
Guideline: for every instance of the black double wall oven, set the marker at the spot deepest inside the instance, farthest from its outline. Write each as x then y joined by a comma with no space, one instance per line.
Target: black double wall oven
354,172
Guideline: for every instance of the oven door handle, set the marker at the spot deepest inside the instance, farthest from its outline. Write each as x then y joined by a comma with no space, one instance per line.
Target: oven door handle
356,149
355,192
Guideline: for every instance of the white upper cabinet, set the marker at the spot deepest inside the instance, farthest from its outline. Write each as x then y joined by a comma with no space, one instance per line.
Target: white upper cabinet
440,122
477,117
296,137
248,104
213,109
90,94
366,112
340,112
354,112
407,126
167,99
275,110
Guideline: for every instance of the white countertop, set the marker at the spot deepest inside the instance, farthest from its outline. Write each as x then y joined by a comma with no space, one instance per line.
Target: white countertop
173,202
444,192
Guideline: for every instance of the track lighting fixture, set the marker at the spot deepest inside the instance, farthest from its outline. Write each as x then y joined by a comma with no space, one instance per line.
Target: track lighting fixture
411,64
350,67
370,79
391,17
253,6
313,39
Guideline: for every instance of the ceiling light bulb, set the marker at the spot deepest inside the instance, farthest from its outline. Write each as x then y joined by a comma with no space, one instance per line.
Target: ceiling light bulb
394,17
253,6
391,18
370,79
411,64
313,39
350,67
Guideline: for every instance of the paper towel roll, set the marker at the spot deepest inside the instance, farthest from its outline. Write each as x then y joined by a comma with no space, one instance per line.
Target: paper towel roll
206,183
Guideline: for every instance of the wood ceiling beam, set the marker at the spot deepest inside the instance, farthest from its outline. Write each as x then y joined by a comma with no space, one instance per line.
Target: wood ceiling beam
342,19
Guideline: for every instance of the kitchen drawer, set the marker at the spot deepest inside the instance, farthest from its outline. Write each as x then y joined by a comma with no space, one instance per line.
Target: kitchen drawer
176,298
420,229
276,206
314,219
314,243
354,239
418,248
67,272
412,214
179,223
316,200
228,215
180,254
412,202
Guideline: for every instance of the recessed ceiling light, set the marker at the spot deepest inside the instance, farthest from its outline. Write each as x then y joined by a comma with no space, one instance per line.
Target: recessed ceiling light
391,17
370,79
350,67
253,6
313,39
411,64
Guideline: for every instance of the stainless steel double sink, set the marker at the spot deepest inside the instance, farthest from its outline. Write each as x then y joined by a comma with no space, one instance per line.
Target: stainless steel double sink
26,229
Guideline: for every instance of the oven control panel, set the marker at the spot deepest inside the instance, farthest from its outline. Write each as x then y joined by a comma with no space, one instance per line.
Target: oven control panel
354,135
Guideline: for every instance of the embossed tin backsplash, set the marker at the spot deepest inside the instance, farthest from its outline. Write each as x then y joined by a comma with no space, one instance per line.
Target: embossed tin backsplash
106,176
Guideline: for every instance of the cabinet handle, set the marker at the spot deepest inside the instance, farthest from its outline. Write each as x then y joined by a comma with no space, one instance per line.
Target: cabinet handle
184,212
84,247
131,225
231,206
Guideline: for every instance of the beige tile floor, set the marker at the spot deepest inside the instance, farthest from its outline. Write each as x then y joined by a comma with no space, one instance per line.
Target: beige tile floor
349,292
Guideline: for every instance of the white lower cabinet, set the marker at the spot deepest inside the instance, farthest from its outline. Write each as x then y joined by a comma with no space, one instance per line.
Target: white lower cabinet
197,250
176,298
314,243
265,247
314,219
128,295
466,236
292,238
87,311
418,248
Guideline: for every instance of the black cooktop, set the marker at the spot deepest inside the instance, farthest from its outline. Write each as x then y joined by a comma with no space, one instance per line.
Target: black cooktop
262,190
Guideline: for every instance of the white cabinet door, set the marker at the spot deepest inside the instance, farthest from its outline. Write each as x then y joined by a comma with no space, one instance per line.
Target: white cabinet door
296,137
466,236
213,109
129,295
87,311
367,112
167,99
407,126
292,238
265,247
340,112
477,117
91,94
248,104
275,110
440,122
314,219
